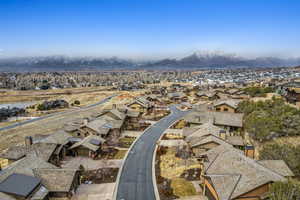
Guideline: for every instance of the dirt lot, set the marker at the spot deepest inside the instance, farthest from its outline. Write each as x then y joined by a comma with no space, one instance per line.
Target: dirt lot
46,126
112,153
38,95
104,175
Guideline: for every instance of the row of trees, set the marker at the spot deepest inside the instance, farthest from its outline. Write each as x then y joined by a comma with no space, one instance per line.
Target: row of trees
258,91
49,105
265,120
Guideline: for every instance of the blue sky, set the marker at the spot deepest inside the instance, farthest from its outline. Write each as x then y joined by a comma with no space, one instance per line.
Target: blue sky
149,28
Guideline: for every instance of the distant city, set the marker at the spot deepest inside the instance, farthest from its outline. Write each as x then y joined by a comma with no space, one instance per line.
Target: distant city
194,61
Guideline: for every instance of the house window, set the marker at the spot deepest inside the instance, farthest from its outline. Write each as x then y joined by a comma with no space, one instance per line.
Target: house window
218,109
225,109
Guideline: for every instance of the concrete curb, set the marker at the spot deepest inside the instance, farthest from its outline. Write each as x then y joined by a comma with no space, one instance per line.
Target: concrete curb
121,168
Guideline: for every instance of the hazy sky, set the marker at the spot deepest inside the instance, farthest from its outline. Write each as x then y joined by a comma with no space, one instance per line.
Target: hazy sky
149,28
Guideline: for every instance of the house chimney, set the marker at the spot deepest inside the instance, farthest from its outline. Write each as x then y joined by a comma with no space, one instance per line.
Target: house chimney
249,151
85,122
28,141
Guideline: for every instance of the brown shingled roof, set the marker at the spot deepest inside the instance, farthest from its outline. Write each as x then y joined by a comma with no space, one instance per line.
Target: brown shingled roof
56,180
204,130
220,118
25,166
59,137
14,153
278,166
87,142
252,174
235,140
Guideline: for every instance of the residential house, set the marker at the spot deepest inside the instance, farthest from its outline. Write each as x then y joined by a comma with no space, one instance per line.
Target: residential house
225,120
236,141
90,146
232,91
132,122
228,105
229,174
204,144
186,106
207,96
116,119
99,127
154,99
19,186
58,142
60,183
291,92
177,97
204,137
49,149
141,105
19,180
13,154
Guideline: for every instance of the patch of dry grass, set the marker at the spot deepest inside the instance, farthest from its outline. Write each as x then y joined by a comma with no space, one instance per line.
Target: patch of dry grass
120,154
40,95
7,123
172,166
293,141
182,188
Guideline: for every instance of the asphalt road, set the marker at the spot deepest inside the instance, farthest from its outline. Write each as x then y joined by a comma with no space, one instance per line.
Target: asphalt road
51,115
135,181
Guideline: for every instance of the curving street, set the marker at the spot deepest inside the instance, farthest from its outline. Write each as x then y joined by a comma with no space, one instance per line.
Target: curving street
135,182
54,114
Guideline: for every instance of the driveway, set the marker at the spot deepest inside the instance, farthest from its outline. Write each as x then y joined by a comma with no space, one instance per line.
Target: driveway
94,192
135,182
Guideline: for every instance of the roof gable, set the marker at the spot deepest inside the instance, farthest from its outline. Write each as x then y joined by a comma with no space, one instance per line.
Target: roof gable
225,184
56,180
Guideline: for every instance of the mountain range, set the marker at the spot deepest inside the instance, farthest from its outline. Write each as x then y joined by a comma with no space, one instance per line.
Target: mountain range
194,61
